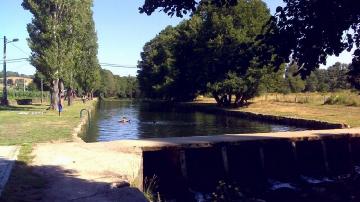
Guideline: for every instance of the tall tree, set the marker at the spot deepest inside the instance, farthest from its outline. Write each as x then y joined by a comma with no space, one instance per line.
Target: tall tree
157,61
309,31
63,42
354,71
107,83
86,63
179,7
50,32
216,50
294,82
337,76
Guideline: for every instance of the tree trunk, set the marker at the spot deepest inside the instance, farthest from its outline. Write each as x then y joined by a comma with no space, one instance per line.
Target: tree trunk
70,96
217,99
61,93
54,93
223,100
238,98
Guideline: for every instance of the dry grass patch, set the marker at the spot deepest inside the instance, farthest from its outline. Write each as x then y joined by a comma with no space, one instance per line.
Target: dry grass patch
330,113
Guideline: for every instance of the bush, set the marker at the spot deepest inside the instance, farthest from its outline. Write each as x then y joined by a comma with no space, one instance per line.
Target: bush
348,99
20,94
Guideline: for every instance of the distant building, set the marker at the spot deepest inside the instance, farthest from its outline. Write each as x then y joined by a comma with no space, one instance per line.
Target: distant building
15,81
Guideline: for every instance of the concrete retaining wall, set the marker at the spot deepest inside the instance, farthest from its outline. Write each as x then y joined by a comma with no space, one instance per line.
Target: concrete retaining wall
198,163
84,122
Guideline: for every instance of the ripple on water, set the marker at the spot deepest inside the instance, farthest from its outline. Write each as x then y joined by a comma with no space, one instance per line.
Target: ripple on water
149,121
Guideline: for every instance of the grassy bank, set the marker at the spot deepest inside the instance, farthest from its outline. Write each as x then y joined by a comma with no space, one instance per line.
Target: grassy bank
307,106
25,125
330,113
33,123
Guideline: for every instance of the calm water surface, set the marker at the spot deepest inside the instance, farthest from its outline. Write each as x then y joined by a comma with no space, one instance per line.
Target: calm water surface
150,120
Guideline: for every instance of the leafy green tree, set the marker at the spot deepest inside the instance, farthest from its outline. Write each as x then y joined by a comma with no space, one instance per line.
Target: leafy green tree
294,82
107,83
215,45
354,71
323,80
337,76
50,32
63,42
118,86
32,87
156,64
311,83
315,29
179,7
309,31
127,87
37,80
87,74
273,81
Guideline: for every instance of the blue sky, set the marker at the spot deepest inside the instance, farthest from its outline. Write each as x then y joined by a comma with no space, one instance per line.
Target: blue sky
121,30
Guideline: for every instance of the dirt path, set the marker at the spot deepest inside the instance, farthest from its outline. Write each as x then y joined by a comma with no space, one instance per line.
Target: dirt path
86,172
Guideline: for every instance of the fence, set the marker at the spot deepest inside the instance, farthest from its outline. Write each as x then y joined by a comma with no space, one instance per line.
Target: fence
19,94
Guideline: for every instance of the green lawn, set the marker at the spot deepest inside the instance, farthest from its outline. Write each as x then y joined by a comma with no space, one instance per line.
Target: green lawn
33,123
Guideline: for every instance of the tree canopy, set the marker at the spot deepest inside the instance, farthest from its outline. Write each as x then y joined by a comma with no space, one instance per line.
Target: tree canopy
308,31
216,51
179,7
316,29
63,42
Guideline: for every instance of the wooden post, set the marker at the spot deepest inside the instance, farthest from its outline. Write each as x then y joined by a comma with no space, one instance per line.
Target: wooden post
183,164
326,163
225,159
262,157
42,91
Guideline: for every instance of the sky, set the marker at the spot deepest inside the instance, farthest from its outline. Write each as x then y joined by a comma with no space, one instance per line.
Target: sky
122,32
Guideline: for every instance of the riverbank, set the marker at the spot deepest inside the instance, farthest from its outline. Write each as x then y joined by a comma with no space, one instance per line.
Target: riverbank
340,114
100,170
331,113
26,124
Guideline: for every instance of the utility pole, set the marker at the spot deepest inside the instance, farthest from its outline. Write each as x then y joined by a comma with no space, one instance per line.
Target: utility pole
42,90
4,100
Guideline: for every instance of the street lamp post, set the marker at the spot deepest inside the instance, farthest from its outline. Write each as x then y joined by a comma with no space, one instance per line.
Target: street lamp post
4,100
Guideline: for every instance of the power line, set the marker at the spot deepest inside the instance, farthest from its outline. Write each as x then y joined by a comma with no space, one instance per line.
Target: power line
117,65
27,59
13,62
16,59
21,50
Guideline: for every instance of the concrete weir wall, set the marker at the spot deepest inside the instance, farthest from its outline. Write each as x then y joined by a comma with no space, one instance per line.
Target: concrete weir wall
199,163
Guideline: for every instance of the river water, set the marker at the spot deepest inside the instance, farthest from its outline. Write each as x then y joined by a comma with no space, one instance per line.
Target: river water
157,120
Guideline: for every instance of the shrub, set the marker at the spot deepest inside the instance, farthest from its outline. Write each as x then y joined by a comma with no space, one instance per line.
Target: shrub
347,99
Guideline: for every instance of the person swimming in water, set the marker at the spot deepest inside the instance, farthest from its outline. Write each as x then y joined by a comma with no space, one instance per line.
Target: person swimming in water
124,120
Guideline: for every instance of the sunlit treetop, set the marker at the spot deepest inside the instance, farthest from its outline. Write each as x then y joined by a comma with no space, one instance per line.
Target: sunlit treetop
179,7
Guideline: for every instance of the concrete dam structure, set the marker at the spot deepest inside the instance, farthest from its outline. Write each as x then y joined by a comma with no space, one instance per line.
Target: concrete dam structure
199,163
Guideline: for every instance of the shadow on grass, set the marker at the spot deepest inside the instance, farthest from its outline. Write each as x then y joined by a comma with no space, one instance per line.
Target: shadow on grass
53,183
18,108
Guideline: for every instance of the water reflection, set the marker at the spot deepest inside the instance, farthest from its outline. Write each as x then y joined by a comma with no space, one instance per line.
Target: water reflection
149,120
